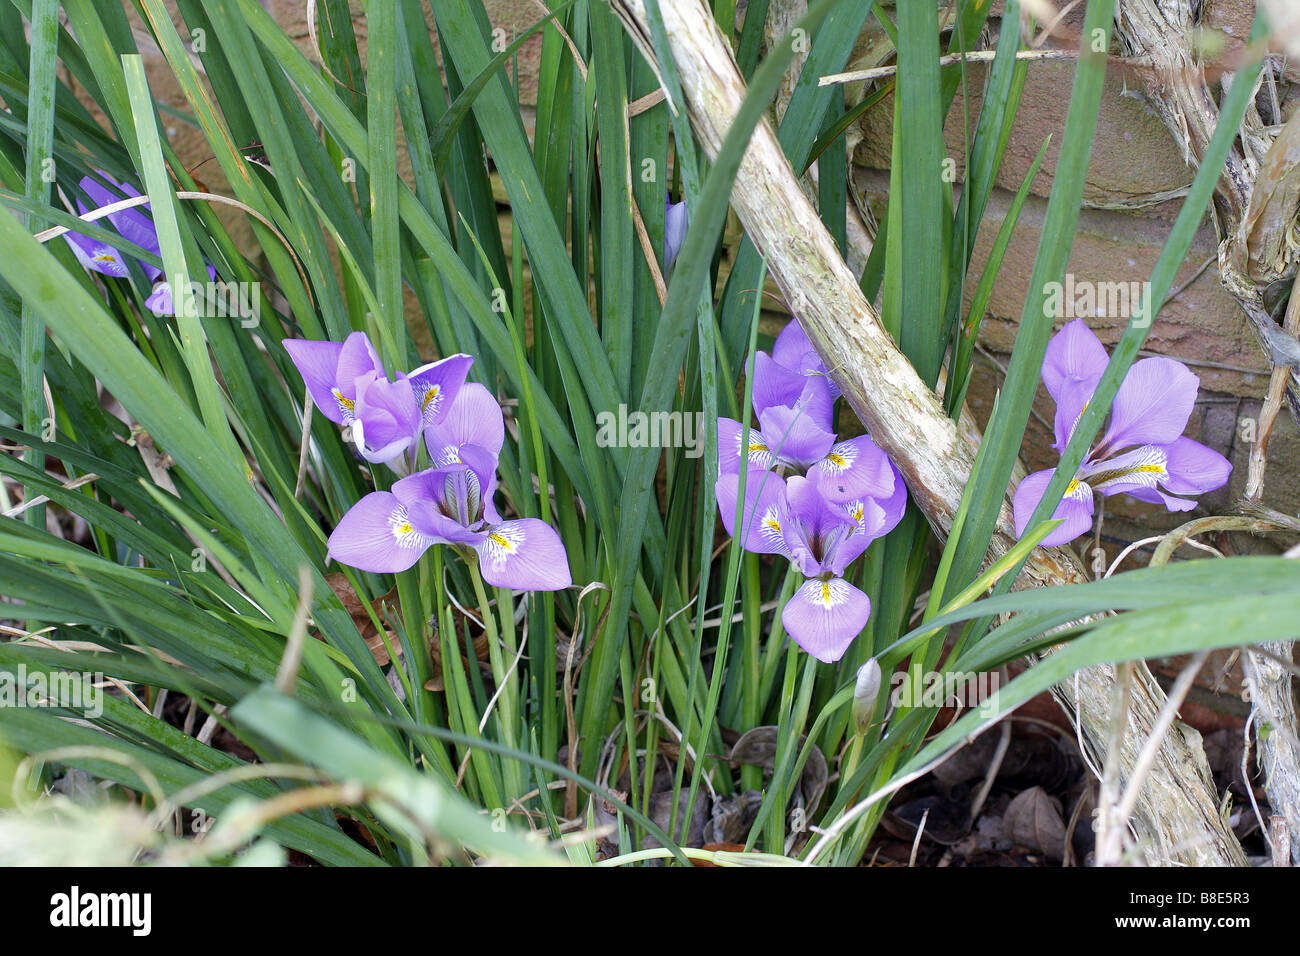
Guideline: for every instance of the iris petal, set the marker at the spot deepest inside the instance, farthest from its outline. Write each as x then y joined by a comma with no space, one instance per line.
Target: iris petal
317,363
824,616
377,535
387,419
437,384
1075,509
730,435
1193,468
1152,405
472,418
356,358
764,515
774,384
676,220
525,555
1073,354
796,438
855,468
1143,467
134,225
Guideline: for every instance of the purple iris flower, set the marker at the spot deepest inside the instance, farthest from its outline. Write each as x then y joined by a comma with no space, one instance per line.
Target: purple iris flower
821,537
676,218
387,418
472,420
1143,452
95,255
810,497
794,399
331,371
793,351
843,470
160,301
793,374
451,503
348,384
134,226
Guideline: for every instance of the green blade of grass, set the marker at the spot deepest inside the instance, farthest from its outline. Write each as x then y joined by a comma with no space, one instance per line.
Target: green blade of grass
920,138
40,153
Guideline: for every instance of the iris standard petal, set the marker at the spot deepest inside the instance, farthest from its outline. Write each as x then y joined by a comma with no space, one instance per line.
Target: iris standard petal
356,358
377,535
795,437
868,521
1152,405
443,503
825,615
1075,509
472,418
1073,353
387,418
1072,398
437,384
524,555
484,465
793,350
764,515
791,345
817,400
818,531
438,527
774,383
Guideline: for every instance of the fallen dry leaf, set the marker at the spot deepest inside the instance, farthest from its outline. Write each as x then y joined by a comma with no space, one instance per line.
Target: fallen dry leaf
1033,819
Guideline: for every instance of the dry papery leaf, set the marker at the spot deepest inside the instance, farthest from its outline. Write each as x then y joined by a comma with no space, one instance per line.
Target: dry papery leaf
356,608
1033,819
757,748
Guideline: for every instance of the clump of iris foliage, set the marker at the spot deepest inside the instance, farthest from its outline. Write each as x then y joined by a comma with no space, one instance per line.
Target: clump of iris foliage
366,527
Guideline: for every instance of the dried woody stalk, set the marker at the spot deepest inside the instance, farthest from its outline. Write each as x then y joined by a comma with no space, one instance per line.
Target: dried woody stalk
1257,214
1177,819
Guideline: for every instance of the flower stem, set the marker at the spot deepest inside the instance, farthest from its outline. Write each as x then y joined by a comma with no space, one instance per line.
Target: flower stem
503,677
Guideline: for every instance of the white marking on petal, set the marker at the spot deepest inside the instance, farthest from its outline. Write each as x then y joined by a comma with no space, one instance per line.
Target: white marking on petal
1078,490
346,406
447,455
840,458
1146,466
829,593
430,402
501,544
758,453
404,534
770,528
